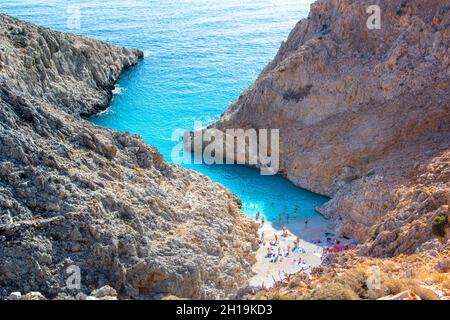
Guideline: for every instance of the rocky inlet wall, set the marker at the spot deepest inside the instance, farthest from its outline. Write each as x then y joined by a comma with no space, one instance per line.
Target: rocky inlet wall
364,116
74,194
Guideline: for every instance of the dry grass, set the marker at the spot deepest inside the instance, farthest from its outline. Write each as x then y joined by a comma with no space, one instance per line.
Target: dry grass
440,279
399,285
354,279
331,291
349,285
415,273
278,296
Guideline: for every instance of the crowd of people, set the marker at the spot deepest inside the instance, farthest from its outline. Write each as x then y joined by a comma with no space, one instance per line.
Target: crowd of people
278,250
282,216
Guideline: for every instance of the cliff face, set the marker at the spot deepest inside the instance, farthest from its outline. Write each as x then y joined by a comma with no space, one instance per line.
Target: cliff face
72,193
364,116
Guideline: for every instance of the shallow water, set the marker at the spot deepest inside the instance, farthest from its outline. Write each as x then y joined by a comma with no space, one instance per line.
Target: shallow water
199,56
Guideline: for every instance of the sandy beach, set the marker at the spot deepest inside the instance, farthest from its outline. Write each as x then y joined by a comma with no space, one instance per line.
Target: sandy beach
267,272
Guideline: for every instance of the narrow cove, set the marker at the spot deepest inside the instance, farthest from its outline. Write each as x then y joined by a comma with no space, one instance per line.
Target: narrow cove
182,82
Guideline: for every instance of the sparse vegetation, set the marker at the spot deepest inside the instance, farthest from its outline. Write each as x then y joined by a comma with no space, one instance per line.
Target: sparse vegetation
278,296
440,223
399,285
331,291
354,279
348,279
297,95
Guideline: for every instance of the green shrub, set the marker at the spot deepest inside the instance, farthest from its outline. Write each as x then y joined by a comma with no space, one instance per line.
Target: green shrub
439,224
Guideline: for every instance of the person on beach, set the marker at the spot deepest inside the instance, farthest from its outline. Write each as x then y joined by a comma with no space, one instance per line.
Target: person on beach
269,252
262,221
276,239
285,232
288,250
279,251
261,240
257,216
274,258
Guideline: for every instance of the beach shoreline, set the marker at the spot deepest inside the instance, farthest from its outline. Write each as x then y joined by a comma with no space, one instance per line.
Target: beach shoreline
312,238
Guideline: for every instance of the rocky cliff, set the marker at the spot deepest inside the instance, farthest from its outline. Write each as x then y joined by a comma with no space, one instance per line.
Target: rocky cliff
364,116
74,194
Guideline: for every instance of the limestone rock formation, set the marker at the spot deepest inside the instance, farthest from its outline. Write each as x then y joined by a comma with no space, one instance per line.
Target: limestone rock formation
364,116
74,195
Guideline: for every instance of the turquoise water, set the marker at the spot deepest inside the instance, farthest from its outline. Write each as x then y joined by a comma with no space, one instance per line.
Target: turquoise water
199,56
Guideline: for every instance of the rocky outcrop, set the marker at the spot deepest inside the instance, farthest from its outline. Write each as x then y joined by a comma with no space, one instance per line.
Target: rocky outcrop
74,195
363,116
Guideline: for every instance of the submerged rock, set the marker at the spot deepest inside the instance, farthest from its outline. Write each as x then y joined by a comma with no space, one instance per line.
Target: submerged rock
83,206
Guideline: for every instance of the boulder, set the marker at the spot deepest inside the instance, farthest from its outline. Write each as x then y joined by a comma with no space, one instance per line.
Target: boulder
105,291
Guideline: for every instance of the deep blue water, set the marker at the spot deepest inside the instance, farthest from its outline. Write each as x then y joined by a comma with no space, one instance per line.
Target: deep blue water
199,56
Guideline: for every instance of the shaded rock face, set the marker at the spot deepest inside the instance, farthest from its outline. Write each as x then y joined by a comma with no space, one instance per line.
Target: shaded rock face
72,193
363,116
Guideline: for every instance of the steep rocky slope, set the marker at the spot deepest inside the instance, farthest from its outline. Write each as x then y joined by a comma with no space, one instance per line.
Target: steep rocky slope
364,116
72,193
